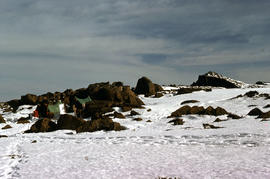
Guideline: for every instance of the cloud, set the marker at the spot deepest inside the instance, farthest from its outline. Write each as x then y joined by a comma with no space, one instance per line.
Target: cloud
54,45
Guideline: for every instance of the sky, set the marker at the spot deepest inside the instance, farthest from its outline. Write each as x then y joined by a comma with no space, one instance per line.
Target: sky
53,45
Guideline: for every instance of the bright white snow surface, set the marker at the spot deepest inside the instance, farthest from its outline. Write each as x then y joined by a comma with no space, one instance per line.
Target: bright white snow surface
147,149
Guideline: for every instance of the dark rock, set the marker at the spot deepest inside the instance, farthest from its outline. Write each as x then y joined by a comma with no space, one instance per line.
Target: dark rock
23,120
100,107
251,94
158,88
148,121
255,112
69,122
216,80
219,120
210,111
220,111
234,116
29,99
177,121
3,136
158,95
265,115
252,105
126,108
118,115
137,119
188,90
145,86
148,110
6,127
263,120
189,101
134,113
118,83
210,126
197,110
34,141
105,124
2,120
42,125
14,104
267,106
260,83
181,111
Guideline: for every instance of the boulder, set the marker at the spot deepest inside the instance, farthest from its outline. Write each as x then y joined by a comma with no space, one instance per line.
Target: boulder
29,99
69,122
2,120
134,113
197,110
210,126
137,119
118,115
233,116
265,115
255,112
6,127
23,120
187,90
105,124
267,106
145,86
189,101
216,80
177,121
3,136
126,108
251,94
15,103
158,95
42,125
181,111
220,111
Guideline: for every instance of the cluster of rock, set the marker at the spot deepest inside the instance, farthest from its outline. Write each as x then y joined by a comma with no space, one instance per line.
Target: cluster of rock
200,110
74,123
216,80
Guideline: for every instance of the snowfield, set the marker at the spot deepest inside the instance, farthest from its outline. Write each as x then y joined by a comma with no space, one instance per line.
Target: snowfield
241,149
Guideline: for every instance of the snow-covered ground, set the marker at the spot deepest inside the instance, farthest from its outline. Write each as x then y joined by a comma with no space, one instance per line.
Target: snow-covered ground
147,149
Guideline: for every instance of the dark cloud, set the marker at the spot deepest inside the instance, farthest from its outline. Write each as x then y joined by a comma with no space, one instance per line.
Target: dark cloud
55,44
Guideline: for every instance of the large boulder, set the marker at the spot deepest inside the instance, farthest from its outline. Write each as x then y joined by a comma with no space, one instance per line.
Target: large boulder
255,112
15,103
69,122
146,87
42,125
104,123
29,99
216,80
2,120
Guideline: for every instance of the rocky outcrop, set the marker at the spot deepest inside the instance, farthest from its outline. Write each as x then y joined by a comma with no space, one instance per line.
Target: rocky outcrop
105,124
146,87
186,110
2,120
42,125
216,80
69,122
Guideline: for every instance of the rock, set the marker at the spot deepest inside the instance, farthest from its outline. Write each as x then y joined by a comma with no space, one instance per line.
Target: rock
14,104
145,86
234,116
217,80
3,136
267,106
134,113
190,90
137,119
265,115
118,83
219,120
69,122
105,124
158,95
210,126
99,107
177,121
181,111
29,99
185,110
148,121
251,94
42,125
148,110
126,108
252,105
2,120
158,88
118,115
255,112
189,101
6,127
34,141
260,83
23,120
220,111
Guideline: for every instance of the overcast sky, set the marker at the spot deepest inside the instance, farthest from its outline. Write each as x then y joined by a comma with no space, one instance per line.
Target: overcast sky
49,45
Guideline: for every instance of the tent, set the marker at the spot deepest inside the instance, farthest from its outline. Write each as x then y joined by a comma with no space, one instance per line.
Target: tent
83,101
54,108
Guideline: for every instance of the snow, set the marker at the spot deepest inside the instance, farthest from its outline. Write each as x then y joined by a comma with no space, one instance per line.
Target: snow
147,149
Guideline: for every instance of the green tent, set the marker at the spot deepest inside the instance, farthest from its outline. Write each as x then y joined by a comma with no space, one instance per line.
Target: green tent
84,101
54,108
